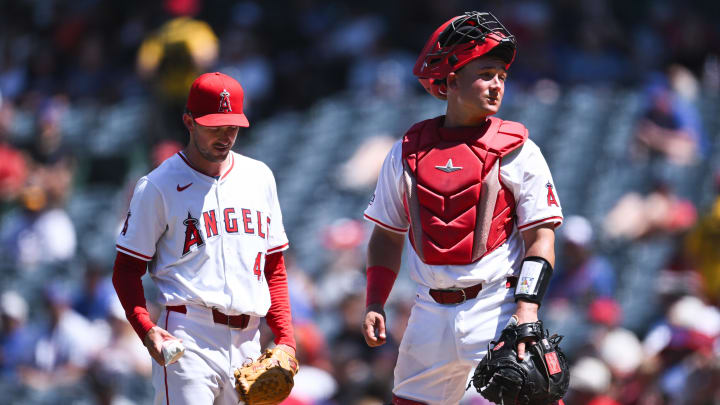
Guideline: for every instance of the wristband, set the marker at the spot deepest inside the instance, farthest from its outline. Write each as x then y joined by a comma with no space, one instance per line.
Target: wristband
380,281
534,279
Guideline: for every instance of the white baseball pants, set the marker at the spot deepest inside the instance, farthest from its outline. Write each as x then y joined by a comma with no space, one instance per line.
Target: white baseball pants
204,374
443,344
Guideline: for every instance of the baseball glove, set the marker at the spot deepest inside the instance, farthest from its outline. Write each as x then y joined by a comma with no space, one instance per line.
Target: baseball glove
268,380
542,377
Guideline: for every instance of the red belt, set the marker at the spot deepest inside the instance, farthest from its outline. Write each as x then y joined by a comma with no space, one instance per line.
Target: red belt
233,321
460,295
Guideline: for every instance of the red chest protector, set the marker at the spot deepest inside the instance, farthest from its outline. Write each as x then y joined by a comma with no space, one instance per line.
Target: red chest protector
459,211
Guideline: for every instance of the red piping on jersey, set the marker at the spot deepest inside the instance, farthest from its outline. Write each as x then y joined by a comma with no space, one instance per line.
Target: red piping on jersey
540,221
403,401
132,252
392,228
167,396
187,162
277,248
232,164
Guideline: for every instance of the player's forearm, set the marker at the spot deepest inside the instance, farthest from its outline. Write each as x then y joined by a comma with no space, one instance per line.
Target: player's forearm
540,242
384,258
127,280
279,317
535,272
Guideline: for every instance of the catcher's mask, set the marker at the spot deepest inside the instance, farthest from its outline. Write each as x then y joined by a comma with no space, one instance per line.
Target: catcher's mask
457,42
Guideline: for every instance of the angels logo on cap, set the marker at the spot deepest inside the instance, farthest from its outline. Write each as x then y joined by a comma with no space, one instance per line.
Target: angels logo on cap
209,101
225,102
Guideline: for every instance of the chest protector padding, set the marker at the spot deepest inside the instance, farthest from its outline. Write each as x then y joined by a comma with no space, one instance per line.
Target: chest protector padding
458,208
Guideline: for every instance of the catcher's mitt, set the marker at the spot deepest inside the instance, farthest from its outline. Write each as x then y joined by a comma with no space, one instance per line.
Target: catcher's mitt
542,378
268,380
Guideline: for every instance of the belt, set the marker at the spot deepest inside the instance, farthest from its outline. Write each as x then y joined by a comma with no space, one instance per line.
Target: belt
460,295
233,321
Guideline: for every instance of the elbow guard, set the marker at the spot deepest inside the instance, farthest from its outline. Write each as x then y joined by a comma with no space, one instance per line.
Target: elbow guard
534,279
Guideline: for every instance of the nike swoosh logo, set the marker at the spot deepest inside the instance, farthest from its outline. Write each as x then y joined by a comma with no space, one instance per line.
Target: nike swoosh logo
183,187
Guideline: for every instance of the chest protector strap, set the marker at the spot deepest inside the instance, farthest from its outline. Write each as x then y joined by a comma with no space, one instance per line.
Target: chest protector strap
458,209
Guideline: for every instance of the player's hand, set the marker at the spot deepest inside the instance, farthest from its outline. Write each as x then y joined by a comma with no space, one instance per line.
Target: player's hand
374,321
526,312
153,342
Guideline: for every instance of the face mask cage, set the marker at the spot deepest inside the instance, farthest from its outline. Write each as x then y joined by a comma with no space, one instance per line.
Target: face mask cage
472,26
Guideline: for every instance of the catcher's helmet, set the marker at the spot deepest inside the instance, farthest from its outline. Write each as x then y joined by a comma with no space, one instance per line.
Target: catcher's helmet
457,42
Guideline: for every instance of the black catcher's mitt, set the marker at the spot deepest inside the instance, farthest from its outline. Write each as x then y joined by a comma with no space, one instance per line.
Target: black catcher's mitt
542,378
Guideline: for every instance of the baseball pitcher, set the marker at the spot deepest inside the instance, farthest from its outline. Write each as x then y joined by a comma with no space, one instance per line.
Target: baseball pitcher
207,224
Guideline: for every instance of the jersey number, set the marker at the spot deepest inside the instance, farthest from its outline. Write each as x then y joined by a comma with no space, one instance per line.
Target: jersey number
257,270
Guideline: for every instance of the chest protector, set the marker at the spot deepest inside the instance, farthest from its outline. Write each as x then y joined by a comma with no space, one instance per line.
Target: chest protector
459,211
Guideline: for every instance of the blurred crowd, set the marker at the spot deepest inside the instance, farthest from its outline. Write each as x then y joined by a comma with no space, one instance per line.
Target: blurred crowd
63,334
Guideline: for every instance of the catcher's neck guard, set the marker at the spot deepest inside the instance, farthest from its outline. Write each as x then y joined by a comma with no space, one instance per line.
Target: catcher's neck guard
457,42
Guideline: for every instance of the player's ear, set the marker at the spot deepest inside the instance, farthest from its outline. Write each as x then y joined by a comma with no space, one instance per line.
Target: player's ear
450,82
188,121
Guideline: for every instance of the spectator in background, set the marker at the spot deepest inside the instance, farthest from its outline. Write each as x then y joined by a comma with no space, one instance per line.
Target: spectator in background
361,170
16,339
169,59
702,246
13,167
41,231
96,296
358,368
315,383
245,57
660,212
120,361
582,275
670,126
36,233
65,346
590,377
343,240
679,347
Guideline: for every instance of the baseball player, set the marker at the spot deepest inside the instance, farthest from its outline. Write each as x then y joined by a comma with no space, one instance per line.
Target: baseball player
476,199
207,225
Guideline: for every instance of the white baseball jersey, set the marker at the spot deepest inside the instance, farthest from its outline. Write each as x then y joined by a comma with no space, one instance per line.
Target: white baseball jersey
524,171
206,238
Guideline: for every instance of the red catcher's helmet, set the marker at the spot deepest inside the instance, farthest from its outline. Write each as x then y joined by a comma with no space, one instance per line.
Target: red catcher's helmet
457,42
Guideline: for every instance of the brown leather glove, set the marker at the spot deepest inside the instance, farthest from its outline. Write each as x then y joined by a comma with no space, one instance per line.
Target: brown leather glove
268,380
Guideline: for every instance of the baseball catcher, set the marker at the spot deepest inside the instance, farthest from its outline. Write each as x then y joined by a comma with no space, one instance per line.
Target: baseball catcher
474,197
268,380
541,378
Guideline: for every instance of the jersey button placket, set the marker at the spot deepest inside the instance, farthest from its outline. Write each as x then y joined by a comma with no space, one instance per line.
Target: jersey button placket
224,250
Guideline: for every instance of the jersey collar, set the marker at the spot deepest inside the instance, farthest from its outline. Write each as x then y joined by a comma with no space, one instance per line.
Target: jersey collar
222,177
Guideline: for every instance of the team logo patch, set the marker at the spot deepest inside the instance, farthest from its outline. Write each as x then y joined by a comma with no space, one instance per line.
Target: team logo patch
449,168
551,200
552,363
372,199
225,102
192,234
125,227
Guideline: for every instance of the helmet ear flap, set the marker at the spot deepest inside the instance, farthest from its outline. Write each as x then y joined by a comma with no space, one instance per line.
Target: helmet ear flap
442,88
437,88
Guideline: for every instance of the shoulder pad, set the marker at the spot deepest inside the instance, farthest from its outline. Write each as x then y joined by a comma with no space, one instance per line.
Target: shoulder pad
513,128
413,138
511,135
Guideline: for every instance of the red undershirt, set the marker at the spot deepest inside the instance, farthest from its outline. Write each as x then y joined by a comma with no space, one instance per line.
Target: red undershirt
127,279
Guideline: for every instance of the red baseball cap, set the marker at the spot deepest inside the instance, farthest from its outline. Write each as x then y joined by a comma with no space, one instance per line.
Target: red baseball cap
216,100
